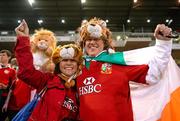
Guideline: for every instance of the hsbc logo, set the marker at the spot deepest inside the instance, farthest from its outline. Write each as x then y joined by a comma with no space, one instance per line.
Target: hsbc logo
89,80
89,87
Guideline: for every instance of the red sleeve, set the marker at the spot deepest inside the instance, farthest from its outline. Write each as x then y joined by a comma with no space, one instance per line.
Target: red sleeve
26,71
137,73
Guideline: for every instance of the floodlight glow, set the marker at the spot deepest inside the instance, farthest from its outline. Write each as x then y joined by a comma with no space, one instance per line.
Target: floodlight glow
170,21
107,20
19,21
118,37
148,20
83,1
63,21
128,20
31,2
135,1
40,21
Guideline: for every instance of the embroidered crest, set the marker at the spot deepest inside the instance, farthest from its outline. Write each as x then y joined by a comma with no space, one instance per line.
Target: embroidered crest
106,68
6,71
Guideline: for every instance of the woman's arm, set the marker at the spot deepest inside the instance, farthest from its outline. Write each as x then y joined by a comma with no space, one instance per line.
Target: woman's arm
26,71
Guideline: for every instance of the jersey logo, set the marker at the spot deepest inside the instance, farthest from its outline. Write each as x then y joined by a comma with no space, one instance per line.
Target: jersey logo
90,86
69,104
106,68
89,80
6,71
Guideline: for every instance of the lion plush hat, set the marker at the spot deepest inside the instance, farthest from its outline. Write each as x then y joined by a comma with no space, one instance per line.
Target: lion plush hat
69,51
44,34
95,28
43,43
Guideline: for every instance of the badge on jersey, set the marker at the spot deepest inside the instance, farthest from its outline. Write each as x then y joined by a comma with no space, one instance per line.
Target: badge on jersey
106,68
69,104
6,71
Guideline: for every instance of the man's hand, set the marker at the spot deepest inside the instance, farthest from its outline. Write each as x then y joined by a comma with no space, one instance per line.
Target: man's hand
161,32
4,108
22,29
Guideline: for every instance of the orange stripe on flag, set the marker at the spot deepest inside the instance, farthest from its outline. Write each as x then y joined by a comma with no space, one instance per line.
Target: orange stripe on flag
171,112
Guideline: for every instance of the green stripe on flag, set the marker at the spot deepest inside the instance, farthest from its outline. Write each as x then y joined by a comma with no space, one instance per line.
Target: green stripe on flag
115,58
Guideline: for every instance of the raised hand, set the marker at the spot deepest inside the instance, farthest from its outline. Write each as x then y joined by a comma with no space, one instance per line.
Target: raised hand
162,32
22,29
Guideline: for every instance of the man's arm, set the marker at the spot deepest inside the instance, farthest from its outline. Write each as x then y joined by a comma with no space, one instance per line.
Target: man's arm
162,54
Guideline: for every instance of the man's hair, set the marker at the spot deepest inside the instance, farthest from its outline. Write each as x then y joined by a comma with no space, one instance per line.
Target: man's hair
13,61
9,54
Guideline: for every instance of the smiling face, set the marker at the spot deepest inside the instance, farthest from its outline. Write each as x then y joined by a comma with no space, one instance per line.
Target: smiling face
68,67
94,46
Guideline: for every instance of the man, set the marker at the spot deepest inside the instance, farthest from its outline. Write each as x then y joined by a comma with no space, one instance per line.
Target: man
18,95
7,75
103,86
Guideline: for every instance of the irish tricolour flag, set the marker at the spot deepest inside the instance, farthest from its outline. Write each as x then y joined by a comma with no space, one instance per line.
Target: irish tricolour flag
159,101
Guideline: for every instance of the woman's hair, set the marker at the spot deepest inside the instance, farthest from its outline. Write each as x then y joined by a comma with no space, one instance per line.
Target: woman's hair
57,69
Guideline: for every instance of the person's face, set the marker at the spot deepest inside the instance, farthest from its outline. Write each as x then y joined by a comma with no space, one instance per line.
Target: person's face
4,58
68,67
94,46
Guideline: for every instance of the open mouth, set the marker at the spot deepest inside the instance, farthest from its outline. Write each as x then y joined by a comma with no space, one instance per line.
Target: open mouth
92,46
68,68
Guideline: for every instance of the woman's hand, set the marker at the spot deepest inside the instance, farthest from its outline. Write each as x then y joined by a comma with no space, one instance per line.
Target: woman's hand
22,29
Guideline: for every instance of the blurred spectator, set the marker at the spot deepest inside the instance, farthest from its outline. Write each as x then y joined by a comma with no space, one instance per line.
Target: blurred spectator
7,75
18,96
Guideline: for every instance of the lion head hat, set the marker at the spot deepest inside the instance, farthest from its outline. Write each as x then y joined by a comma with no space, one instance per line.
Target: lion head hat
95,28
69,51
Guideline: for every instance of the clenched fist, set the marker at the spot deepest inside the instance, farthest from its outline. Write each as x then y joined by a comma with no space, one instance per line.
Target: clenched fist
162,32
22,29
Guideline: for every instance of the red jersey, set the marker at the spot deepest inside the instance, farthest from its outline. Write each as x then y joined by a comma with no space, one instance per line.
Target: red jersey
7,75
105,93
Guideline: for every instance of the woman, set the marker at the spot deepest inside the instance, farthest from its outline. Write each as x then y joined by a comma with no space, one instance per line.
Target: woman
59,101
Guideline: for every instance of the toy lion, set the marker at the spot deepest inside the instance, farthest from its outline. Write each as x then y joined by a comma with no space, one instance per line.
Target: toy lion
43,42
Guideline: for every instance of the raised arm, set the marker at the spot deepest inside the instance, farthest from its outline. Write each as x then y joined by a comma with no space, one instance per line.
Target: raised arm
161,54
24,57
